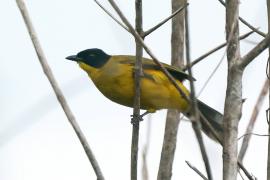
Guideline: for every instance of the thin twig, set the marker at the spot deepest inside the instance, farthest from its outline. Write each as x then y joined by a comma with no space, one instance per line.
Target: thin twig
252,54
254,134
108,13
199,59
194,108
196,170
146,33
137,92
252,121
60,97
145,171
246,23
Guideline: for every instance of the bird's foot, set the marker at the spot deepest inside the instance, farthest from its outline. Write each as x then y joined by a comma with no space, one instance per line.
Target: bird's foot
137,119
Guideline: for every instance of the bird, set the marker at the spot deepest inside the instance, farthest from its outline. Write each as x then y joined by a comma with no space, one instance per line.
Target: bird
113,75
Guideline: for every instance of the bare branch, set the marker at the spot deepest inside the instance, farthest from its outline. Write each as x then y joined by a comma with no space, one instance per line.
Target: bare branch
196,170
251,55
146,33
108,13
246,23
252,120
60,97
173,116
137,92
145,173
199,59
233,101
267,74
195,116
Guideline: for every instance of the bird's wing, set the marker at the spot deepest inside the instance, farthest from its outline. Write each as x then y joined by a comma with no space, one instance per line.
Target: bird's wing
177,73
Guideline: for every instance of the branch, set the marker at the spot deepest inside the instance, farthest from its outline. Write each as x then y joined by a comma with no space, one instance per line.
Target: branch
145,171
252,120
195,116
233,101
267,74
108,13
196,170
173,116
251,55
137,92
146,33
60,97
199,59
246,23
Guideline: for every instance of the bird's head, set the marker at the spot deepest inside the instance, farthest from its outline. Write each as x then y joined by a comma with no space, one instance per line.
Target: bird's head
93,57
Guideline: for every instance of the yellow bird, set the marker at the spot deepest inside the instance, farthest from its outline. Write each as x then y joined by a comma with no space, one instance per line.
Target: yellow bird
114,78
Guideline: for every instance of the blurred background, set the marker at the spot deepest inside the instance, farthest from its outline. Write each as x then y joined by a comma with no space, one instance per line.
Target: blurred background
36,140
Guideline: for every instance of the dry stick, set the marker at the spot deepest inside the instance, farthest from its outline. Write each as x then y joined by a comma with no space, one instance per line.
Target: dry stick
194,108
196,170
107,12
145,173
137,89
60,97
172,117
199,59
252,54
253,134
252,120
267,74
146,33
245,22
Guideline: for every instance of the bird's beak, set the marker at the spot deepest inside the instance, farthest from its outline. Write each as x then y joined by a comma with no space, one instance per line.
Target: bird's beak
72,58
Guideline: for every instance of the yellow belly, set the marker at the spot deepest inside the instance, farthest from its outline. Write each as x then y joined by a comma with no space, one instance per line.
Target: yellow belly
117,84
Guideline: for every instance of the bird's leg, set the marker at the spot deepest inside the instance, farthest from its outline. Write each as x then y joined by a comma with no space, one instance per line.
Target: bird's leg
140,117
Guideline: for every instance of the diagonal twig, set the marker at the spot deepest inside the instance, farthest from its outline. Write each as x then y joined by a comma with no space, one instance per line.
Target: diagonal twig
108,13
196,170
252,54
146,33
60,97
246,23
252,120
194,108
199,59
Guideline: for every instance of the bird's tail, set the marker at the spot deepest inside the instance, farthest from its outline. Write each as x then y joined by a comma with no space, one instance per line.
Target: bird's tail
213,117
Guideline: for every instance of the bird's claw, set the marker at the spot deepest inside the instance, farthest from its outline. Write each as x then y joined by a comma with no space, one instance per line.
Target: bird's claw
136,119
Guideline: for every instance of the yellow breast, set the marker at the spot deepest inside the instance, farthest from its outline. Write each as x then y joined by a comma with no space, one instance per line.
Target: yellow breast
116,81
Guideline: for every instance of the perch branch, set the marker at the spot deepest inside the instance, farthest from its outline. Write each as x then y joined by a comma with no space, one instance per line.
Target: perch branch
60,97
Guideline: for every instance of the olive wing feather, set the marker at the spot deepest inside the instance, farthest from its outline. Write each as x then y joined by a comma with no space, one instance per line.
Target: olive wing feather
177,73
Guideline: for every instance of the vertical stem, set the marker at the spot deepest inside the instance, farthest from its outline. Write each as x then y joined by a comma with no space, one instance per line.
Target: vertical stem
137,86
172,120
268,158
60,97
233,101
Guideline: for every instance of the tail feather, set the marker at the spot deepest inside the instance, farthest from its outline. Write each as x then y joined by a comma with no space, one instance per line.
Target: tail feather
214,117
